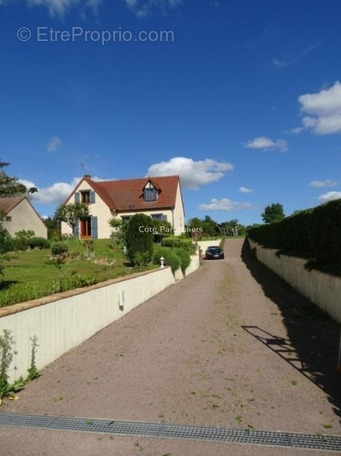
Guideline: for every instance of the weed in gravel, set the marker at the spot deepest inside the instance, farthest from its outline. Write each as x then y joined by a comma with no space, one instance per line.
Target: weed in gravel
58,398
239,419
294,382
327,426
204,375
216,396
139,447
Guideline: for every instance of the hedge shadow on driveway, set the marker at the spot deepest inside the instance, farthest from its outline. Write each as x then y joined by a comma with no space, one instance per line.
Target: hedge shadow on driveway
313,337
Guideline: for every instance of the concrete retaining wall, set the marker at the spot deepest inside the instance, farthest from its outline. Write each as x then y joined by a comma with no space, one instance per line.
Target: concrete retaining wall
65,320
321,288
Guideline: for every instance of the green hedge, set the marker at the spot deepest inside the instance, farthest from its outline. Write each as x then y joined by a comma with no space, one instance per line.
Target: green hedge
312,233
171,258
178,242
38,243
184,258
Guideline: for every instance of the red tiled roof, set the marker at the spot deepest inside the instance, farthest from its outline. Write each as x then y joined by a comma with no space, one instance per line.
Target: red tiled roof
127,195
8,203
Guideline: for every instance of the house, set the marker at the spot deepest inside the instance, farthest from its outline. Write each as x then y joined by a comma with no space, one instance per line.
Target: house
22,215
158,197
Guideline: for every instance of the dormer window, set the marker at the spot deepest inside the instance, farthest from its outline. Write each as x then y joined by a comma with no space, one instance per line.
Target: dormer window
150,194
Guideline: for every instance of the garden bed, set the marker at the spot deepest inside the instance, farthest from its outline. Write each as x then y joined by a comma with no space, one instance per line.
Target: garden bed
33,274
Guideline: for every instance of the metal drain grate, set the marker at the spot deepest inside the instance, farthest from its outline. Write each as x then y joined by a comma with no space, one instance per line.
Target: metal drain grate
172,431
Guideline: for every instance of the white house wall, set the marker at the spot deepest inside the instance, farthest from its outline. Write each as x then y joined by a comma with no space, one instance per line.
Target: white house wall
97,209
179,214
24,217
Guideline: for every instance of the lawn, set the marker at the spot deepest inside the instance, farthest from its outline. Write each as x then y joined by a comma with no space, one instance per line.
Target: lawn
32,274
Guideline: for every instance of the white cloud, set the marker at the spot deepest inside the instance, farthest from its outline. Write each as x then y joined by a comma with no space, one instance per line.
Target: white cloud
225,204
193,174
325,183
60,7
143,7
54,144
266,143
245,190
296,131
291,61
323,110
329,196
54,194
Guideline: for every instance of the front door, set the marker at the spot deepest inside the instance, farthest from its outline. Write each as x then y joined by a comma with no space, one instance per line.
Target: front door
86,228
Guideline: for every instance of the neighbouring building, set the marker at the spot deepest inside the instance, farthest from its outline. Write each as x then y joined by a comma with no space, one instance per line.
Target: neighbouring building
22,215
158,197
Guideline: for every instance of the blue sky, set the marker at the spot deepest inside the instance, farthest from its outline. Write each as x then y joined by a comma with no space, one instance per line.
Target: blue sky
241,98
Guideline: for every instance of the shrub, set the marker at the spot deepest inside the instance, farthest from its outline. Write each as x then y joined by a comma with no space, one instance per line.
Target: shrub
38,243
6,241
20,244
59,247
139,238
171,258
141,259
21,239
184,258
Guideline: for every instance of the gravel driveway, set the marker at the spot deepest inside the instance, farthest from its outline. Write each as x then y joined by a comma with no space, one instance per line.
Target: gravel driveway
231,346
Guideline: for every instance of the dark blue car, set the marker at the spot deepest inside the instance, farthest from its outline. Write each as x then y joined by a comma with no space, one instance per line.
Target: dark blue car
214,253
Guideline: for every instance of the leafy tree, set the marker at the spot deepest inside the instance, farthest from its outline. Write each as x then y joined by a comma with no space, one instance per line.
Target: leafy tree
9,186
194,228
273,213
139,239
71,214
209,226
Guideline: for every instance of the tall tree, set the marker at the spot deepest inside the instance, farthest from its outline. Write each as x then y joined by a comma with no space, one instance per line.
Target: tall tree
10,186
273,213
